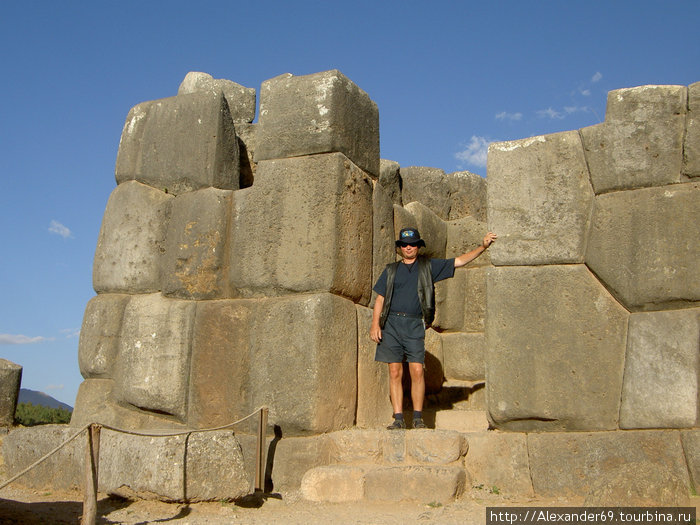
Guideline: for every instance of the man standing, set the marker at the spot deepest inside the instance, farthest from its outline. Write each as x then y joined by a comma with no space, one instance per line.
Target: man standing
404,307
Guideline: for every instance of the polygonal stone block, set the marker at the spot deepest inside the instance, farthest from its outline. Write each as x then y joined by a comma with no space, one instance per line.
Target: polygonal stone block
660,389
373,401
691,146
645,245
431,228
219,383
305,226
539,200
320,113
467,195
194,263
241,100
10,381
152,367
131,240
569,464
464,356
640,143
499,460
99,335
429,187
180,144
555,349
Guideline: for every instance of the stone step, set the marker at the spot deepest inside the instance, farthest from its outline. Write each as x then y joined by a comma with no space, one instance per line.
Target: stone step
462,420
345,483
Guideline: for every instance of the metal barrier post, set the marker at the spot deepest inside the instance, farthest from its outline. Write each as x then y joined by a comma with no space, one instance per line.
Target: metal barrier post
260,459
92,459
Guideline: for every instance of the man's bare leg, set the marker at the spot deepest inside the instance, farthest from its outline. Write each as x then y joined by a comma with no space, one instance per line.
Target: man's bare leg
417,385
396,387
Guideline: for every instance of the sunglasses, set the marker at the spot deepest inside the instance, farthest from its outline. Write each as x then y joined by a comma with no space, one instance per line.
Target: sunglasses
404,244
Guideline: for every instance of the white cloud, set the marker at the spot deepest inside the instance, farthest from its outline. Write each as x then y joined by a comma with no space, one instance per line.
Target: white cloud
59,229
597,77
503,115
586,92
550,113
71,332
10,339
475,152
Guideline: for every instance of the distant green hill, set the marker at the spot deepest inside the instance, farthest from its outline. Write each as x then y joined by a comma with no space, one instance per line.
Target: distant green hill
39,398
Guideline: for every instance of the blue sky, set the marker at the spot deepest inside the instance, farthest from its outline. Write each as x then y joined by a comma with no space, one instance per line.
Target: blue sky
448,76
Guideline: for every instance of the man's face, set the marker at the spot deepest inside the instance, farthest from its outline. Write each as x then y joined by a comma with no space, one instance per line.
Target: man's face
409,251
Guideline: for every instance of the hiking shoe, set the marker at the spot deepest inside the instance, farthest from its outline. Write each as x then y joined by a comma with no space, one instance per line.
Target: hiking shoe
398,424
418,423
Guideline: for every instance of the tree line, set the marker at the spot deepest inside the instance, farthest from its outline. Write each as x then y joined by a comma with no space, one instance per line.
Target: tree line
29,415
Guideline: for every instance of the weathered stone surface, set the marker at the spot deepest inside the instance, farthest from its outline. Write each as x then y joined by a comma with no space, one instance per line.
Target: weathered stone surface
639,484
293,457
539,200
464,421
571,463
390,179
131,239
152,366
464,355
301,349
219,380
194,263
319,113
436,446
450,302
180,144
99,334
412,483
311,222
691,146
475,299
247,135
373,401
465,234
690,440
660,387
356,446
432,229
645,245
427,186
467,195
334,483
640,143
10,382
499,460
241,100
383,238
555,349
434,368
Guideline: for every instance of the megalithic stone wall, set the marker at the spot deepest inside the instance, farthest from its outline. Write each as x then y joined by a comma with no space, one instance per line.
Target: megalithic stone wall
593,316
233,257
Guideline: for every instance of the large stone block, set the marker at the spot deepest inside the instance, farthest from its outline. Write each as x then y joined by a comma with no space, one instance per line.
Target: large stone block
433,230
152,366
641,141
320,113
429,187
131,240
241,100
555,349
449,302
411,483
373,401
180,144
305,226
383,238
467,195
499,460
570,464
99,334
10,382
465,234
293,457
691,146
645,245
539,200
194,263
660,388
334,483
464,356
390,179
219,382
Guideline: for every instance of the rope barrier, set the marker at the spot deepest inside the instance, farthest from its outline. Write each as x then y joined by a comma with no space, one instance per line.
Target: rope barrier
130,432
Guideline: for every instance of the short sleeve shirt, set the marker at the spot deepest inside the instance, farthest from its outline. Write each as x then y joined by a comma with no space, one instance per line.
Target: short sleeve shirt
405,296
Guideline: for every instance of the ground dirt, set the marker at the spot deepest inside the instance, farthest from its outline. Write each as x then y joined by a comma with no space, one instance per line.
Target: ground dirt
24,506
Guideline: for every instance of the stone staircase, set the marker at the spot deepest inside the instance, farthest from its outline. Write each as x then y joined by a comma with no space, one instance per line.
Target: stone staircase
390,465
